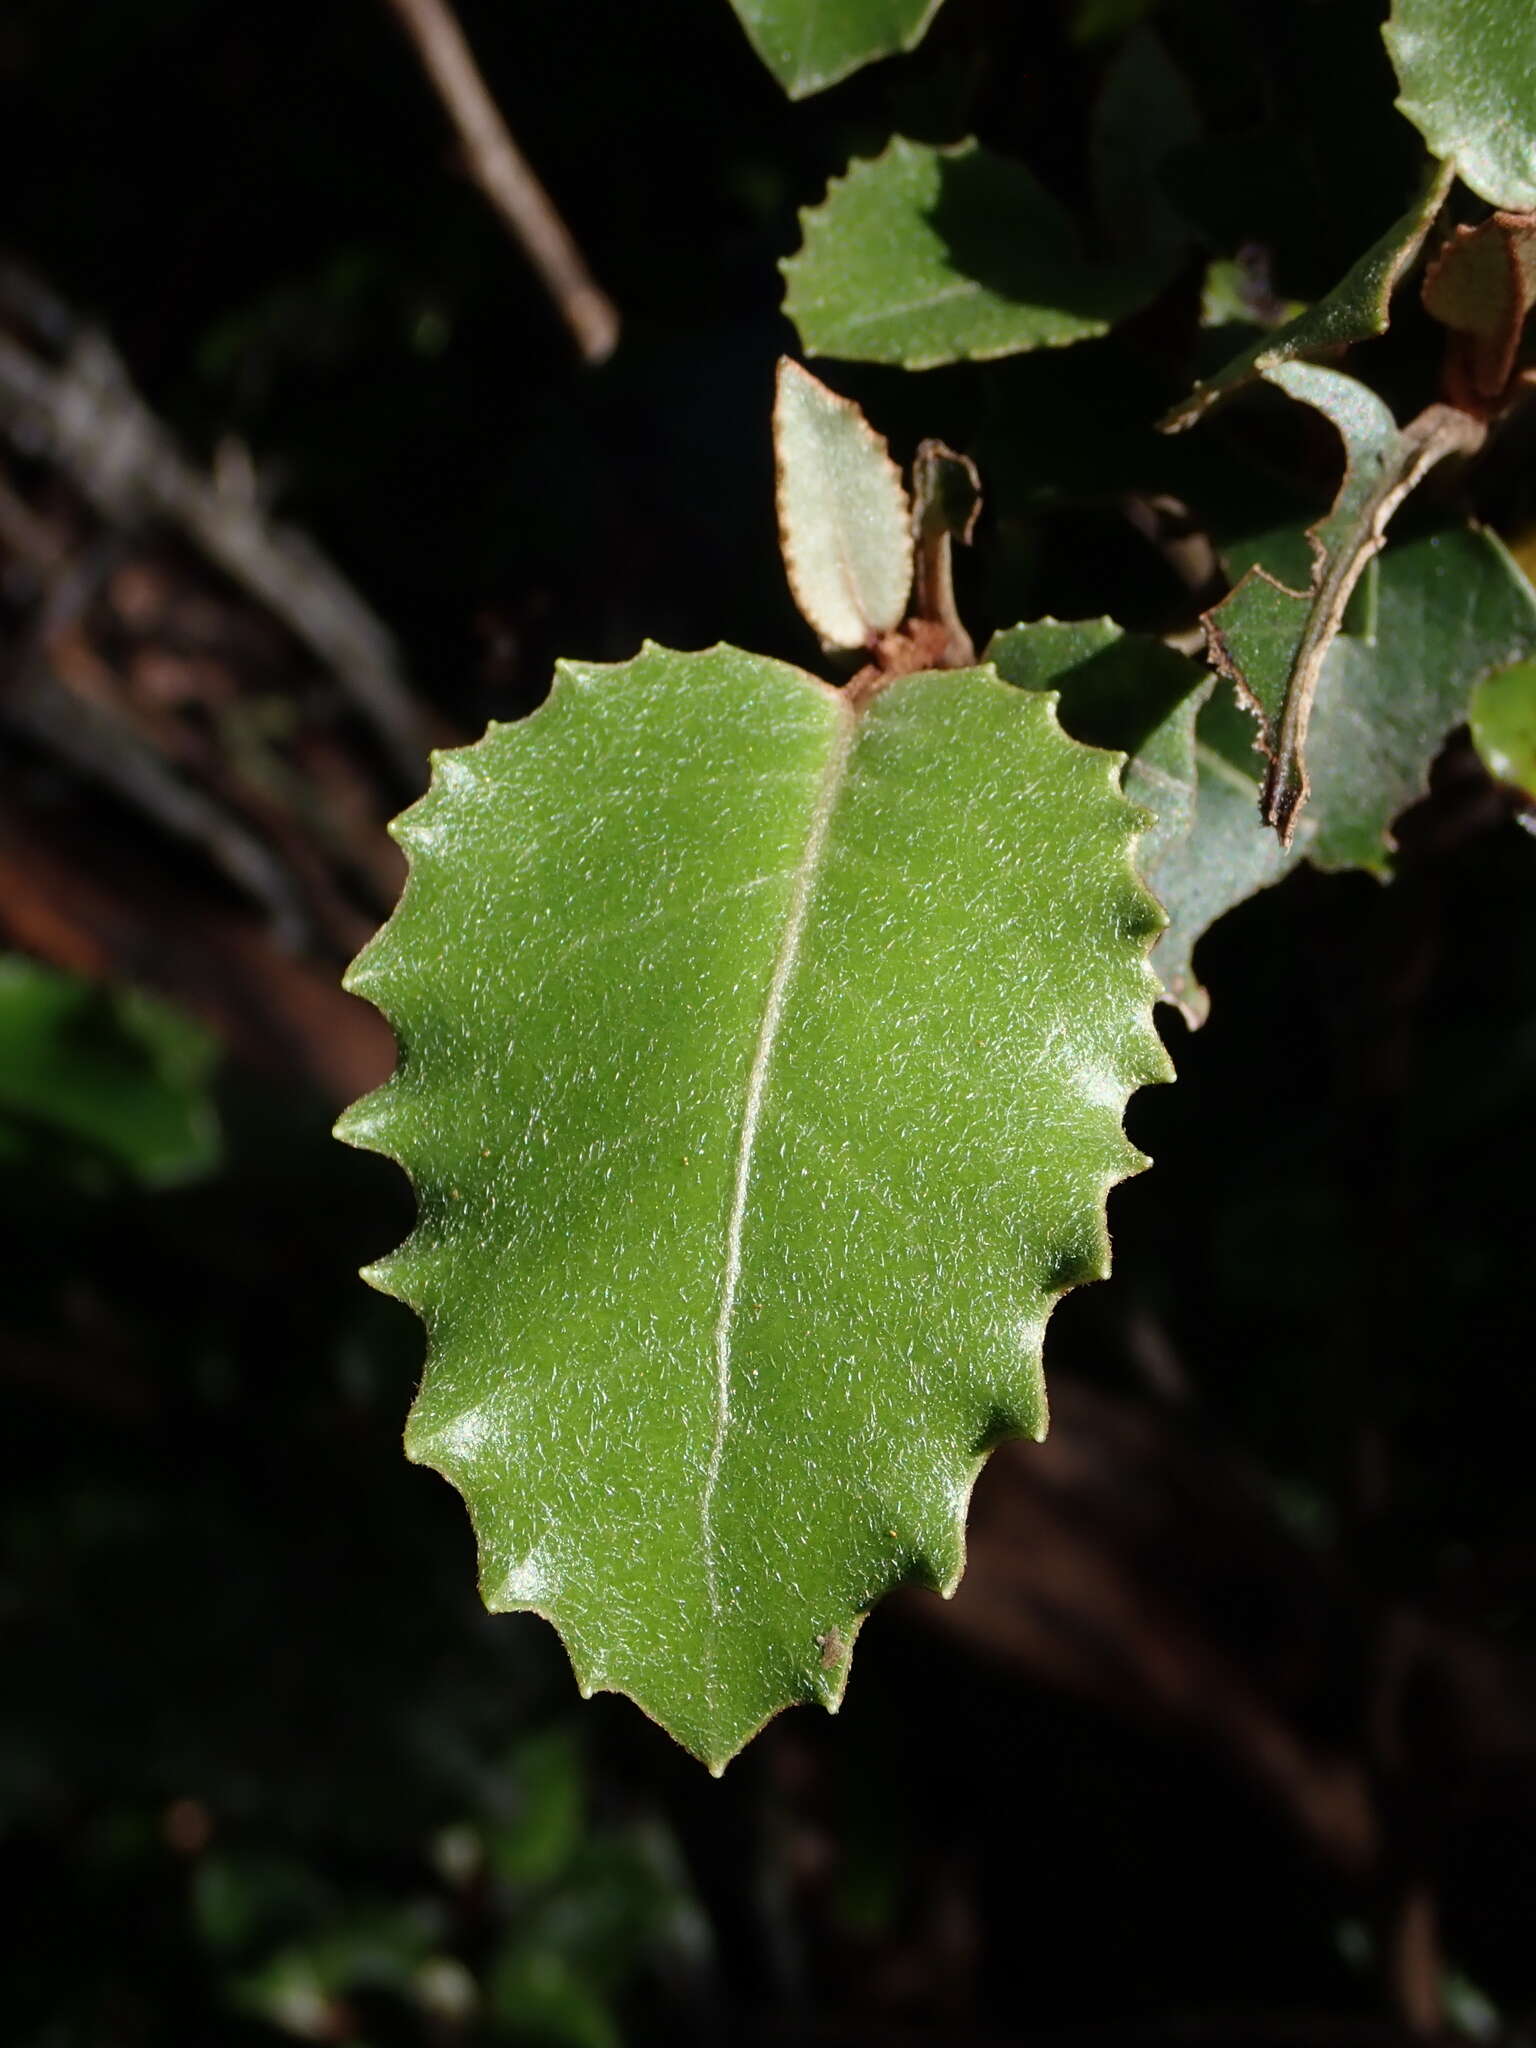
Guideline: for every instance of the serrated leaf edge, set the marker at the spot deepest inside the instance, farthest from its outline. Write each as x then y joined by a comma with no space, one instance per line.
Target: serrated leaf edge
804,89
790,376
1081,327
389,1275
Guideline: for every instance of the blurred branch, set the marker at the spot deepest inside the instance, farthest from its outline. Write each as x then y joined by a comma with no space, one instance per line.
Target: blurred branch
1128,1565
85,413
507,179
75,892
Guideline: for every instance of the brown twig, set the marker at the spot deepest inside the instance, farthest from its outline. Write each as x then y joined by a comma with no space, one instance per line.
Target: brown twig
506,177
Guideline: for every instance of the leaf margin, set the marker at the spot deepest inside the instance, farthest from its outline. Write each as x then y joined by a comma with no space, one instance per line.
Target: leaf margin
364,1126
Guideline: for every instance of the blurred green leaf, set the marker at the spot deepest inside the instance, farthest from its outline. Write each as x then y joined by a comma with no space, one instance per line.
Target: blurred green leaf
811,44
1465,68
1097,20
1503,718
547,1798
544,2000
303,1987
239,1901
113,1071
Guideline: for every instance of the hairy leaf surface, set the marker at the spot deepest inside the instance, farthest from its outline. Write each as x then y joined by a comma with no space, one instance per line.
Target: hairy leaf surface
925,256
1466,69
845,521
811,44
762,1060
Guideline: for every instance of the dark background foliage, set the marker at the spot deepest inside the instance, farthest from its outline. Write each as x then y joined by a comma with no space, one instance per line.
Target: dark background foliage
1231,1731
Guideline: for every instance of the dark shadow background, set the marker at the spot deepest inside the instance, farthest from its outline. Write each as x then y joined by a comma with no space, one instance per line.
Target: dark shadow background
1230,1734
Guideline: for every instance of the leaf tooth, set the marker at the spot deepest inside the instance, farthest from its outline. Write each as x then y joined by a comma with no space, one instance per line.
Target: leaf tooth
394,1275
455,1442
370,1119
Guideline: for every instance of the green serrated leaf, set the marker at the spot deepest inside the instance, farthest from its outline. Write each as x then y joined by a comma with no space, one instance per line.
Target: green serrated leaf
762,1060
811,44
1503,720
115,1071
1466,69
925,256
1357,309
845,522
1271,637
1209,849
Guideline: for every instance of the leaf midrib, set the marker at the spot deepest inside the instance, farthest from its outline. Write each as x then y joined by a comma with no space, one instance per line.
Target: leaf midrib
834,775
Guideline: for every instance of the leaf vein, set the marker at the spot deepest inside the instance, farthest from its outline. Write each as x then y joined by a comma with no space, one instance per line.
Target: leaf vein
757,1086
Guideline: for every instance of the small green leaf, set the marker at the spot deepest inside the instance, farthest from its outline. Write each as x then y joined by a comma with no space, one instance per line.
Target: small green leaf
845,523
117,1072
811,44
1271,636
1466,69
1209,849
925,256
762,1060
1357,309
1503,719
